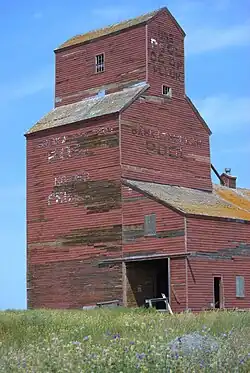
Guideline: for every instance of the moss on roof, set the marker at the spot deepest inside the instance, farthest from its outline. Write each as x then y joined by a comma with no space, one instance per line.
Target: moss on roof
82,38
223,202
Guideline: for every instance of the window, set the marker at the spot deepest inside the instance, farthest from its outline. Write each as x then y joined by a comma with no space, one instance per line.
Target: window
166,91
150,225
99,63
240,287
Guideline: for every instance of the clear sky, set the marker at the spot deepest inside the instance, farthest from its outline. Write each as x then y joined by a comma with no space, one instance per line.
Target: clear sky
217,80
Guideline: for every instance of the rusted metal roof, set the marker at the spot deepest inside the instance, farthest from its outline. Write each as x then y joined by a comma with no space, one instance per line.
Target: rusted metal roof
82,38
89,108
223,202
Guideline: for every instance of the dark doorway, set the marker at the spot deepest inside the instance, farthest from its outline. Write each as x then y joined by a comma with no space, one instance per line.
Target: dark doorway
217,292
161,282
147,279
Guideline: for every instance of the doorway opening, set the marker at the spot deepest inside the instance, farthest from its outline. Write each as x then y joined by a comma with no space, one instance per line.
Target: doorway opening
217,292
147,279
161,283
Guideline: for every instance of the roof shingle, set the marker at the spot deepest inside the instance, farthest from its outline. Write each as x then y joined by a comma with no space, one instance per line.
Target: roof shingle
89,108
223,202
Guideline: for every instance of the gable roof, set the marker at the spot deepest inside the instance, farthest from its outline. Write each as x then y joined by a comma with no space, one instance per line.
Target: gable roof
223,202
89,108
91,35
82,38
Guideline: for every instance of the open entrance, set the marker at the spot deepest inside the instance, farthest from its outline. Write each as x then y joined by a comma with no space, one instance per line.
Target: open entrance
147,279
217,292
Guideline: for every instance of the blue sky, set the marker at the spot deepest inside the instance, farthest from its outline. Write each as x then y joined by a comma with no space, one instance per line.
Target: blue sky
217,80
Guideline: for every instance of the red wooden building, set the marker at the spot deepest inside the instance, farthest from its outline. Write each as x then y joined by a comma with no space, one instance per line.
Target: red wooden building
120,202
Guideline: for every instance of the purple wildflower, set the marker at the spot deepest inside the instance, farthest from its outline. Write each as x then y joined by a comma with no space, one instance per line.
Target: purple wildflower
131,342
140,356
86,338
76,343
116,336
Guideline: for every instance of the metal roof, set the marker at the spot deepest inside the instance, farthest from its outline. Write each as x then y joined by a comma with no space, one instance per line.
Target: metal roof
223,202
82,38
89,108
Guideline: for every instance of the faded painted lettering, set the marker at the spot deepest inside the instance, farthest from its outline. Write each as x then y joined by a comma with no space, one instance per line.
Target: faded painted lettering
166,58
164,136
56,197
67,152
163,149
71,179
61,140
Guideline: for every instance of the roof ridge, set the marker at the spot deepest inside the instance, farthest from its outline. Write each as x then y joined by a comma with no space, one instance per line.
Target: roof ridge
85,109
134,21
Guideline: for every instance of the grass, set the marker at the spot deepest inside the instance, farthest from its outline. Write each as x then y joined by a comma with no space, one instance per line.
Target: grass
120,340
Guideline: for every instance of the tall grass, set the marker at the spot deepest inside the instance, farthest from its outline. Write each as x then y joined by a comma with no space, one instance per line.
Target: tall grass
120,340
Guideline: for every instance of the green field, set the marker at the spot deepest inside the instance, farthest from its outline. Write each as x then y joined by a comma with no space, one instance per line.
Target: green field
121,340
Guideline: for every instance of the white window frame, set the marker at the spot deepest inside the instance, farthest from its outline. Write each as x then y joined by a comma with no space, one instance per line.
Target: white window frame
99,63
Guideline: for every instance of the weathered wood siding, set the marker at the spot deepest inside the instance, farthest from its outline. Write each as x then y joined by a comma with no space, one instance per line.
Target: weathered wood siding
170,232
210,235
162,141
125,61
201,272
165,51
73,214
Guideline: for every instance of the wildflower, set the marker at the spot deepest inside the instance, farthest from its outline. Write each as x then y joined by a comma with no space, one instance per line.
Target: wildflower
86,338
116,336
76,343
140,356
131,342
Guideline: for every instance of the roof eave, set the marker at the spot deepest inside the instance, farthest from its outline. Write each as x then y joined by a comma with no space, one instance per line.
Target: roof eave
173,19
68,124
206,127
149,195
135,97
63,48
